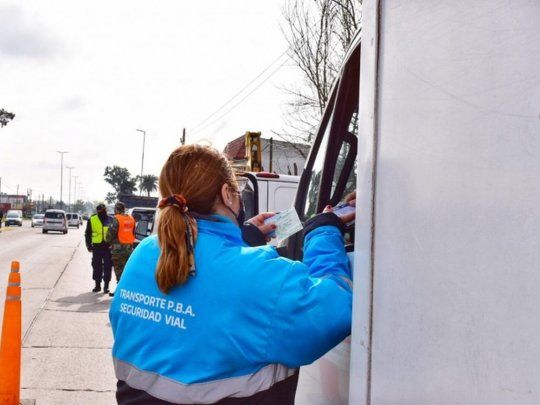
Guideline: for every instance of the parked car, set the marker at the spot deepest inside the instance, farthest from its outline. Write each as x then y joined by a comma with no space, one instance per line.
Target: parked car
14,217
55,220
73,219
37,220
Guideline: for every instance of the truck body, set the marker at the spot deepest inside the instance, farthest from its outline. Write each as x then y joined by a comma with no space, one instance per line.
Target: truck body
268,192
435,118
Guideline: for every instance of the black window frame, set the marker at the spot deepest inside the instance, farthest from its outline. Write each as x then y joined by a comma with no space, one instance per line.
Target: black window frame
342,105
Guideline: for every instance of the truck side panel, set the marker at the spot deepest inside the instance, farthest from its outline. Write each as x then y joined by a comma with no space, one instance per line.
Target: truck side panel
457,218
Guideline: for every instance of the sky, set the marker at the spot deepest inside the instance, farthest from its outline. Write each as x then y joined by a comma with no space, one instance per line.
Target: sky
82,77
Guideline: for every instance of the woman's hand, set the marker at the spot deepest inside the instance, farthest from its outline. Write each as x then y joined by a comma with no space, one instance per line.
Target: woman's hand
351,200
258,221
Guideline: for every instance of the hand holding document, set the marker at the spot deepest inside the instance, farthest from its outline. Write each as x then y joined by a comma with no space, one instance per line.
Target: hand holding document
287,223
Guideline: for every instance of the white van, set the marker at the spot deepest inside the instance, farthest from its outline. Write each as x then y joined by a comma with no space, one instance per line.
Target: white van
435,125
55,220
73,219
14,217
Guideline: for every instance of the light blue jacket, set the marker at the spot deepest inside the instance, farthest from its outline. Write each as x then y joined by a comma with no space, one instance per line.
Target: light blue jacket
245,321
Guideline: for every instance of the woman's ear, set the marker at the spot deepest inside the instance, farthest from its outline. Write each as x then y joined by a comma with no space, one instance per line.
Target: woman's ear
226,195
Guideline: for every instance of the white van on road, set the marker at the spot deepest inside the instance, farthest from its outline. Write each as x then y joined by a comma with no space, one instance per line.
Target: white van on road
55,220
73,219
14,217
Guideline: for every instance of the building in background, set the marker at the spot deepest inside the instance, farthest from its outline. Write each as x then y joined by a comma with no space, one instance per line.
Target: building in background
15,201
276,156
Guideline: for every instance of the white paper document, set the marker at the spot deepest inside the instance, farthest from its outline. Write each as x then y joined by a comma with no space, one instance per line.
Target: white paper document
287,223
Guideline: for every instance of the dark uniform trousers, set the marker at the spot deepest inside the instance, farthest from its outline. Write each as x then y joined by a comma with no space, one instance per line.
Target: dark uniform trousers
101,263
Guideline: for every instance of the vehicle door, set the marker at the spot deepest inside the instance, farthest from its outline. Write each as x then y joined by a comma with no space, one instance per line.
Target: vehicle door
281,195
329,176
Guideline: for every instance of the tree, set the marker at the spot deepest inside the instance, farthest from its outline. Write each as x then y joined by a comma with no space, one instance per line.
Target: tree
318,33
5,117
111,197
120,179
147,183
78,206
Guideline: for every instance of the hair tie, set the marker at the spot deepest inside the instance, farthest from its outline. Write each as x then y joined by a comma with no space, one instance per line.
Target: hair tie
176,200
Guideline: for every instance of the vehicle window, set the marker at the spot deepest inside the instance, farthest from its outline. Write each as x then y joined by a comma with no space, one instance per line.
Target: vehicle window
310,208
344,179
54,215
12,215
68,216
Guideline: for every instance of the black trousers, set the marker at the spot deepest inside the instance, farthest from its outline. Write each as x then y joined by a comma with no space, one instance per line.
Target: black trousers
101,263
281,393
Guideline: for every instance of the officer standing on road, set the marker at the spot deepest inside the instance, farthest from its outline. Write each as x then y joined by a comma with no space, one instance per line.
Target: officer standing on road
96,229
121,235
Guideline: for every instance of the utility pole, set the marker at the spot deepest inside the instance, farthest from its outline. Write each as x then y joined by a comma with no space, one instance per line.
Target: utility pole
142,161
75,189
69,192
61,175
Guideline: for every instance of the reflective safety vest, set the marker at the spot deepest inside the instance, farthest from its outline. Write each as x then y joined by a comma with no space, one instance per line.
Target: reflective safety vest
126,228
98,230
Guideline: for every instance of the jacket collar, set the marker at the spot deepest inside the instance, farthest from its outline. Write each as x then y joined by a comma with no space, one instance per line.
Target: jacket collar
221,226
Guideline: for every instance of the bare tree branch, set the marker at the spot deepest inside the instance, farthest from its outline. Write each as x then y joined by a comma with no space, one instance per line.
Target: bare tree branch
318,33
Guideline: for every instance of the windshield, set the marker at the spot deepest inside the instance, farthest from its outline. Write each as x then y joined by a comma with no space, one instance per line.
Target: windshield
13,215
54,215
38,216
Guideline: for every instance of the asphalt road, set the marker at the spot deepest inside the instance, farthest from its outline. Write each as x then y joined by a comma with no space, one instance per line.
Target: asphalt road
66,355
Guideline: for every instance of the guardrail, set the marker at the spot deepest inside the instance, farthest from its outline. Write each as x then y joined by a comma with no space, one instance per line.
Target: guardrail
10,346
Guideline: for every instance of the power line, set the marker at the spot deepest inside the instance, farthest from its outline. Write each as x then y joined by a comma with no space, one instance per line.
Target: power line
242,99
201,125
194,129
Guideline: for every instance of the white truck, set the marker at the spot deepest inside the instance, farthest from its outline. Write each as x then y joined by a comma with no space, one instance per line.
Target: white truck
435,118
268,192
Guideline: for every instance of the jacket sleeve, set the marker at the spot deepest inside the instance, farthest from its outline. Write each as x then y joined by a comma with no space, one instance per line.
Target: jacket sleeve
88,234
252,235
313,310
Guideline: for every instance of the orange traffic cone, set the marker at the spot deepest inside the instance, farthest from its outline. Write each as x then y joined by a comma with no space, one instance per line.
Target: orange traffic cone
10,347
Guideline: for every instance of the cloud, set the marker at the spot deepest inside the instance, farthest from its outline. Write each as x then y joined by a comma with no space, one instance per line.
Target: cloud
21,37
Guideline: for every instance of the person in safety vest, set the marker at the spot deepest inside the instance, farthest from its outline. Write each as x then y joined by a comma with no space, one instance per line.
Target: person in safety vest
206,312
96,229
120,236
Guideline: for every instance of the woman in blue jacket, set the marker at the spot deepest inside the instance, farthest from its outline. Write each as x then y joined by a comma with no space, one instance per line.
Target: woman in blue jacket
201,316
